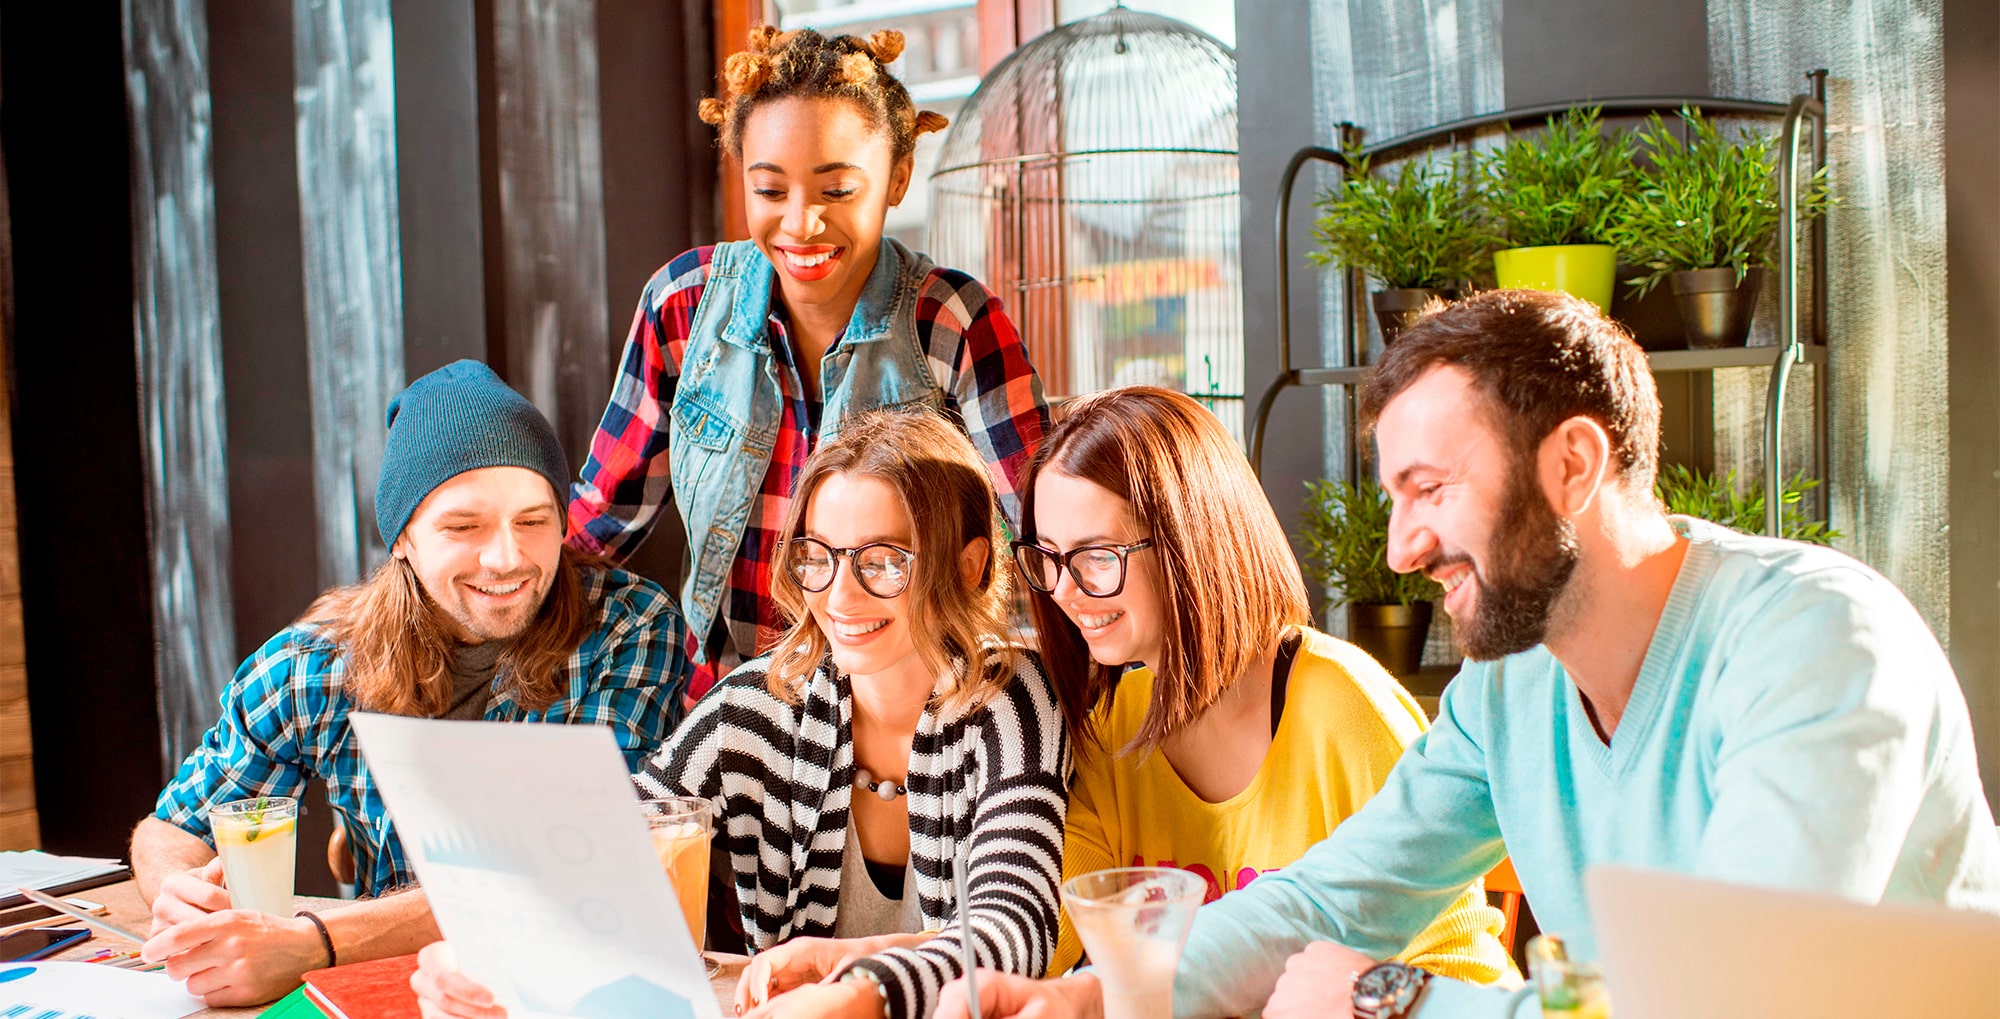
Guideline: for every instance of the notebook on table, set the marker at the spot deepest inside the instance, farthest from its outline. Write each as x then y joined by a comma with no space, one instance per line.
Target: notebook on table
1674,946
379,989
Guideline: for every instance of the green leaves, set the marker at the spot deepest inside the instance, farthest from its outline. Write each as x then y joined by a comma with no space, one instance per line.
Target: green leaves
1346,533
1706,202
1567,186
1739,507
1421,228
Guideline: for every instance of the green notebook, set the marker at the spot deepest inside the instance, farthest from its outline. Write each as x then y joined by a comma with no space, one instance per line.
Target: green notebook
294,1006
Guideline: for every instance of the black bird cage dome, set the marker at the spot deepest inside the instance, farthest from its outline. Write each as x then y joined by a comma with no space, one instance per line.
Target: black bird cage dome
1092,182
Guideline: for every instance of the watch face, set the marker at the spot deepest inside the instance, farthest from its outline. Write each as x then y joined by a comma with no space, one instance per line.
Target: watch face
1389,989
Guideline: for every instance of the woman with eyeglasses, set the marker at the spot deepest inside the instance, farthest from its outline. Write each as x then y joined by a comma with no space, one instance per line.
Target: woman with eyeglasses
1239,735
891,737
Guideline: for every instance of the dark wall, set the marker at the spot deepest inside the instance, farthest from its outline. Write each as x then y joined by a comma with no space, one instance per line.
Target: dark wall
438,184
79,479
1560,50
275,563
1275,118
1972,252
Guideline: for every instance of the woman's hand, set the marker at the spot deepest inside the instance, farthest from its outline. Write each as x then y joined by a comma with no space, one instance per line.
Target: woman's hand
1006,995
845,999
803,961
445,993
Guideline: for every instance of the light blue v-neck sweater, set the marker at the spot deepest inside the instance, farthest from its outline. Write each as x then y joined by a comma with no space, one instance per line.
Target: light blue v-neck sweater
1794,724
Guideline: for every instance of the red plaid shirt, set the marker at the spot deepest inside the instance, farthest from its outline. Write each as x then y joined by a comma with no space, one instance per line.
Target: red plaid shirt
974,353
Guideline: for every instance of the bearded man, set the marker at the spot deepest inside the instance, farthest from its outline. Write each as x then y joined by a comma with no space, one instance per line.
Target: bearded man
1642,689
481,612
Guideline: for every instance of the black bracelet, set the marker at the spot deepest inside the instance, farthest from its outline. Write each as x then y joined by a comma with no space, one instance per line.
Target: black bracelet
324,938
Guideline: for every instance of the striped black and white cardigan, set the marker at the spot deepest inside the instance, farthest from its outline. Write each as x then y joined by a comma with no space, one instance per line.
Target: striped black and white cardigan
782,778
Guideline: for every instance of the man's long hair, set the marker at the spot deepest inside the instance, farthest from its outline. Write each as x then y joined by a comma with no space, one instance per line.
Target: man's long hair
398,650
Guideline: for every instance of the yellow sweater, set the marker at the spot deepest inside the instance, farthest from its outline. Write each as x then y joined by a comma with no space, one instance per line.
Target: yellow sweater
1345,724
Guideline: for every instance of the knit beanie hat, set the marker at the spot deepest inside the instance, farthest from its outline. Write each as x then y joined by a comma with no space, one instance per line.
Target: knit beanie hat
456,419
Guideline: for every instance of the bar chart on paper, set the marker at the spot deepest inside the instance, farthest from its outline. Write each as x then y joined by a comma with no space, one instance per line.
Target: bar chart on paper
74,990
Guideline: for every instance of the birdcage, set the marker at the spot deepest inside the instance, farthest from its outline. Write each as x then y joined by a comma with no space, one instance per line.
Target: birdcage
1091,181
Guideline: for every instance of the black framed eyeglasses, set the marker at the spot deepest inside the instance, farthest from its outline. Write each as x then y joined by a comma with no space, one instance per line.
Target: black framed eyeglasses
1099,570
883,569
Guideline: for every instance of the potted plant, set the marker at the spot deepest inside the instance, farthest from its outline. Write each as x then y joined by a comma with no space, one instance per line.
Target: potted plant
1419,234
1346,534
1553,201
1706,215
1740,508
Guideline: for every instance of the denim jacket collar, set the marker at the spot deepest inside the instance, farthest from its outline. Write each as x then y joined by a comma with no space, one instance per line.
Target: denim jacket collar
874,313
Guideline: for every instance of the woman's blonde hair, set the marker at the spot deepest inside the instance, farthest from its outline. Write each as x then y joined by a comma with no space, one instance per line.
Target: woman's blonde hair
398,651
958,628
1229,584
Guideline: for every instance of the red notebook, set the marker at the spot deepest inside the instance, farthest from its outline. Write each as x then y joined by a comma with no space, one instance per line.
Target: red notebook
366,990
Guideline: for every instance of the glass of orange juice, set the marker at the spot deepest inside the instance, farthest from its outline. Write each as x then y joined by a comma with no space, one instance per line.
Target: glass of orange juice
681,827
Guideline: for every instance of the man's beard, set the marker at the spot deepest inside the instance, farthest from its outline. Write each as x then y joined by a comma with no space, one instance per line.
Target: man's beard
1532,555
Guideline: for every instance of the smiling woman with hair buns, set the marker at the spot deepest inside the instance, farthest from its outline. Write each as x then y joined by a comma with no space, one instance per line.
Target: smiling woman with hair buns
745,355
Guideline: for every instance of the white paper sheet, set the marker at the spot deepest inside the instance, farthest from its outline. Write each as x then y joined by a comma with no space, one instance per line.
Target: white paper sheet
530,846
75,990
32,868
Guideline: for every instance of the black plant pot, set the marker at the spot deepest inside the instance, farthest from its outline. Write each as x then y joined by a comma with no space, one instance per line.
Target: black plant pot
1392,634
1396,310
1715,308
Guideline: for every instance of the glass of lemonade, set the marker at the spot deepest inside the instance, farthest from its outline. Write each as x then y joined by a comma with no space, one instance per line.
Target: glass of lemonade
1134,922
258,840
1567,989
681,827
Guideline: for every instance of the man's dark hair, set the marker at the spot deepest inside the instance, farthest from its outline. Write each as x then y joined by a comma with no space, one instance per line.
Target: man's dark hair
1541,359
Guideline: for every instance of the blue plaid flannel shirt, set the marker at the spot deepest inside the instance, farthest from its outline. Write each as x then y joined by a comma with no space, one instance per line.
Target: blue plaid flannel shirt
284,720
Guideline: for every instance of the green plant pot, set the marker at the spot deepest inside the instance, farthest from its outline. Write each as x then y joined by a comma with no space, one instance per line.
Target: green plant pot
1715,309
1396,310
1392,634
1584,270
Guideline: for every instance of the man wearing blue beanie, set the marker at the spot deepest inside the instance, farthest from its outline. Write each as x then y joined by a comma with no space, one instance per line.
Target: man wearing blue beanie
481,612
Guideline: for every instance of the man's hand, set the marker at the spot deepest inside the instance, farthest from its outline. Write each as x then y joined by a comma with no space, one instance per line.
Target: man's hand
1005,995
802,961
237,957
1318,983
445,993
190,895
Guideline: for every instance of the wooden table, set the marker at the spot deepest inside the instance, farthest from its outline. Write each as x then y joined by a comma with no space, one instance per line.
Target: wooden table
129,911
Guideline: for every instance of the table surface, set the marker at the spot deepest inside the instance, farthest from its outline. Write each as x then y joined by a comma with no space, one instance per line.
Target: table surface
129,911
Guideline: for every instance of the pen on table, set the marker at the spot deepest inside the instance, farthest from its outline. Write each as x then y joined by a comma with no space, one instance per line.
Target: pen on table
113,957
63,907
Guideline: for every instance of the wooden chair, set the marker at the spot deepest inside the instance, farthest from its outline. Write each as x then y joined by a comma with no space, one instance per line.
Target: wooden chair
341,862
1503,882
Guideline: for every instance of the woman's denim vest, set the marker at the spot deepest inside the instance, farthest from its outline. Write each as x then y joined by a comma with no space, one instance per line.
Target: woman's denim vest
727,405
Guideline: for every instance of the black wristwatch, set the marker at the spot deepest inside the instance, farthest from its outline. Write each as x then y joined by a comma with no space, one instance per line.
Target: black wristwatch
1388,990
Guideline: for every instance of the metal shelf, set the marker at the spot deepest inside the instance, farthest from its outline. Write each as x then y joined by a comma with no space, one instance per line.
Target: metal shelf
1658,360
1799,342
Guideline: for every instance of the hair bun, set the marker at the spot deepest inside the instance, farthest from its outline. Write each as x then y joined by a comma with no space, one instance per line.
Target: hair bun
746,72
765,38
885,44
928,121
711,111
856,69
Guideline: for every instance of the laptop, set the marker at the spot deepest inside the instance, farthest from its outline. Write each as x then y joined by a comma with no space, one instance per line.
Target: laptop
1674,946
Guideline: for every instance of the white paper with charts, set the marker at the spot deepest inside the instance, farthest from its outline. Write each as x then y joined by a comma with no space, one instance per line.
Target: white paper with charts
530,846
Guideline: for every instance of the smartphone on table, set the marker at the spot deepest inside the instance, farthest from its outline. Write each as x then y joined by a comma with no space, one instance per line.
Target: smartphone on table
40,943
